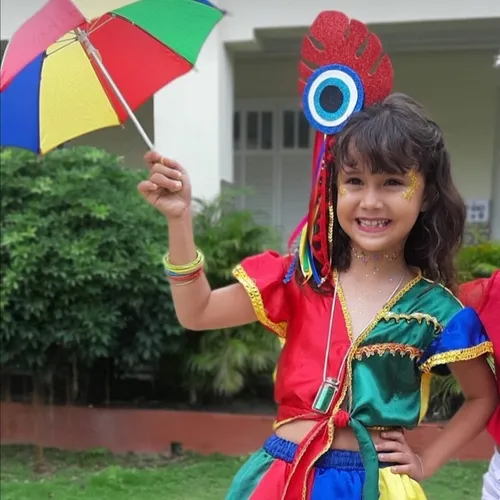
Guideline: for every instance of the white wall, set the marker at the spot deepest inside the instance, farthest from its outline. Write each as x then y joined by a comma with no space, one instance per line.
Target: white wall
193,119
246,15
496,174
14,13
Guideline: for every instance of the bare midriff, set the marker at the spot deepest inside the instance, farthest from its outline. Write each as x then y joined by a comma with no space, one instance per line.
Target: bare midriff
344,438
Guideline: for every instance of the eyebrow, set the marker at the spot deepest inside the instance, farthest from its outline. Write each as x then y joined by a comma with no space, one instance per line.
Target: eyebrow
347,170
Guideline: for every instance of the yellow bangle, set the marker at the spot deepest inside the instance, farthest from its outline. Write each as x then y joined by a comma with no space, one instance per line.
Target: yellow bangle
182,270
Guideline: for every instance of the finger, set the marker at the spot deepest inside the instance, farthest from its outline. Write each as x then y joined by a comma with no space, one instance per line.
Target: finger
147,187
152,157
168,162
390,446
395,458
402,469
166,183
395,436
171,173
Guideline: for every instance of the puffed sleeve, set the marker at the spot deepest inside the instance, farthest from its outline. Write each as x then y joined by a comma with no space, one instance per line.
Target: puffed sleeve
262,277
462,339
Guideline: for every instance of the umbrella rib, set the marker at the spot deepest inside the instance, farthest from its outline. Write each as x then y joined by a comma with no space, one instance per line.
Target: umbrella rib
95,26
70,41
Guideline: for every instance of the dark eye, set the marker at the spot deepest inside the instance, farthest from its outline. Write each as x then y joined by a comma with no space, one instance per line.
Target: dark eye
355,181
394,182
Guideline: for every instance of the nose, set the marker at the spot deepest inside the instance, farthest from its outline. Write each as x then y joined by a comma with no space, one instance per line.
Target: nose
371,199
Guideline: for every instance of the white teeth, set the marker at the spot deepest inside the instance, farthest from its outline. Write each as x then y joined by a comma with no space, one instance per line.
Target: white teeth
373,223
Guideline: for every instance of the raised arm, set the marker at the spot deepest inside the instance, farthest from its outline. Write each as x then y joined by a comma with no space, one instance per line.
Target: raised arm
197,306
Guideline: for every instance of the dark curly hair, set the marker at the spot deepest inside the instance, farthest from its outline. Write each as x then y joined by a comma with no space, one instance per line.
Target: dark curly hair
394,136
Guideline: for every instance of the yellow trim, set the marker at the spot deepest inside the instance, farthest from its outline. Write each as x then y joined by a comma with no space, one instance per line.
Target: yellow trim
390,347
258,304
304,416
425,393
73,101
455,355
419,317
343,304
282,344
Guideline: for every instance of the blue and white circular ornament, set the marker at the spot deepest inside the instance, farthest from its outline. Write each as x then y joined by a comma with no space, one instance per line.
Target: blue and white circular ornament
331,96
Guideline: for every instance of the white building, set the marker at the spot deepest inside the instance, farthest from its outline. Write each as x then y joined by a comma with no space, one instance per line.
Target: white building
236,118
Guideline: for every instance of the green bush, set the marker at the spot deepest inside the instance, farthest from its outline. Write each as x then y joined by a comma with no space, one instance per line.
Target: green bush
478,261
80,263
83,291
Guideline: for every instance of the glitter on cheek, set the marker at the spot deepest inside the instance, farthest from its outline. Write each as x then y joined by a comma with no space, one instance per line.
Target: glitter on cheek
342,191
412,188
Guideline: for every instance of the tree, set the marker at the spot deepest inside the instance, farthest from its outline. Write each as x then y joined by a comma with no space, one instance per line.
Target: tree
80,265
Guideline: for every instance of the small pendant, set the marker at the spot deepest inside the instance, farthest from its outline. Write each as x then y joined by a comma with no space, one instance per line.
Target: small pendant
325,396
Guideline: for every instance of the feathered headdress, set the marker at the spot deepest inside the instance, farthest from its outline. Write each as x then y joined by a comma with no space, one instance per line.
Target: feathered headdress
342,70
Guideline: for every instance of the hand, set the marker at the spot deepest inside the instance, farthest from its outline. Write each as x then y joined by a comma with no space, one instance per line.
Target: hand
395,449
168,188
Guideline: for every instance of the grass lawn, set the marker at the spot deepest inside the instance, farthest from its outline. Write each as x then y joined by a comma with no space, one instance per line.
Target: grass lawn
97,475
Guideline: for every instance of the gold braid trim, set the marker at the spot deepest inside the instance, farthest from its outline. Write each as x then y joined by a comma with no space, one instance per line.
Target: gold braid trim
390,347
419,317
258,304
457,355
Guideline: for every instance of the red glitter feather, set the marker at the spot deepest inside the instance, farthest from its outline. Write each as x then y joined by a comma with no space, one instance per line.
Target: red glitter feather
336,39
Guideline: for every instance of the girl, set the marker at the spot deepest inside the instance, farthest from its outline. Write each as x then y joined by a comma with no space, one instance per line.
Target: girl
484,296
362,304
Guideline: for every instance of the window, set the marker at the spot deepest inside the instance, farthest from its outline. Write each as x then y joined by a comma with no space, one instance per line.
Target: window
304,136
296,130
267,130
254,130
288,129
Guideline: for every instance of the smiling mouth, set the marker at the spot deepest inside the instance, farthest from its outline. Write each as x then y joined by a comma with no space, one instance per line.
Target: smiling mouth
373,223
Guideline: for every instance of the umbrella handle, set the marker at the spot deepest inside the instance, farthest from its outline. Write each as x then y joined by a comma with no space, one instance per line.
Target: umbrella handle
92,51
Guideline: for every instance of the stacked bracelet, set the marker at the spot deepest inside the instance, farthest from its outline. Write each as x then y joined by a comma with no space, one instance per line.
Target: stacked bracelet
186,273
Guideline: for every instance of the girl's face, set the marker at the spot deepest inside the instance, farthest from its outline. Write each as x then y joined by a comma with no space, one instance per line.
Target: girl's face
378,211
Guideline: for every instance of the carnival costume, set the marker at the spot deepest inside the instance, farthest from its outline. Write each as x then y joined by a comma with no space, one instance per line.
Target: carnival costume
484,296
380,380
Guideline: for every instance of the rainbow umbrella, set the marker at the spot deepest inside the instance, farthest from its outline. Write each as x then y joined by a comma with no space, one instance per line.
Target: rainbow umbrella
82,65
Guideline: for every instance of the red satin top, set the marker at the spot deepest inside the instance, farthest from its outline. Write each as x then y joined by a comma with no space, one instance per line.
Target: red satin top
300,369
484,296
